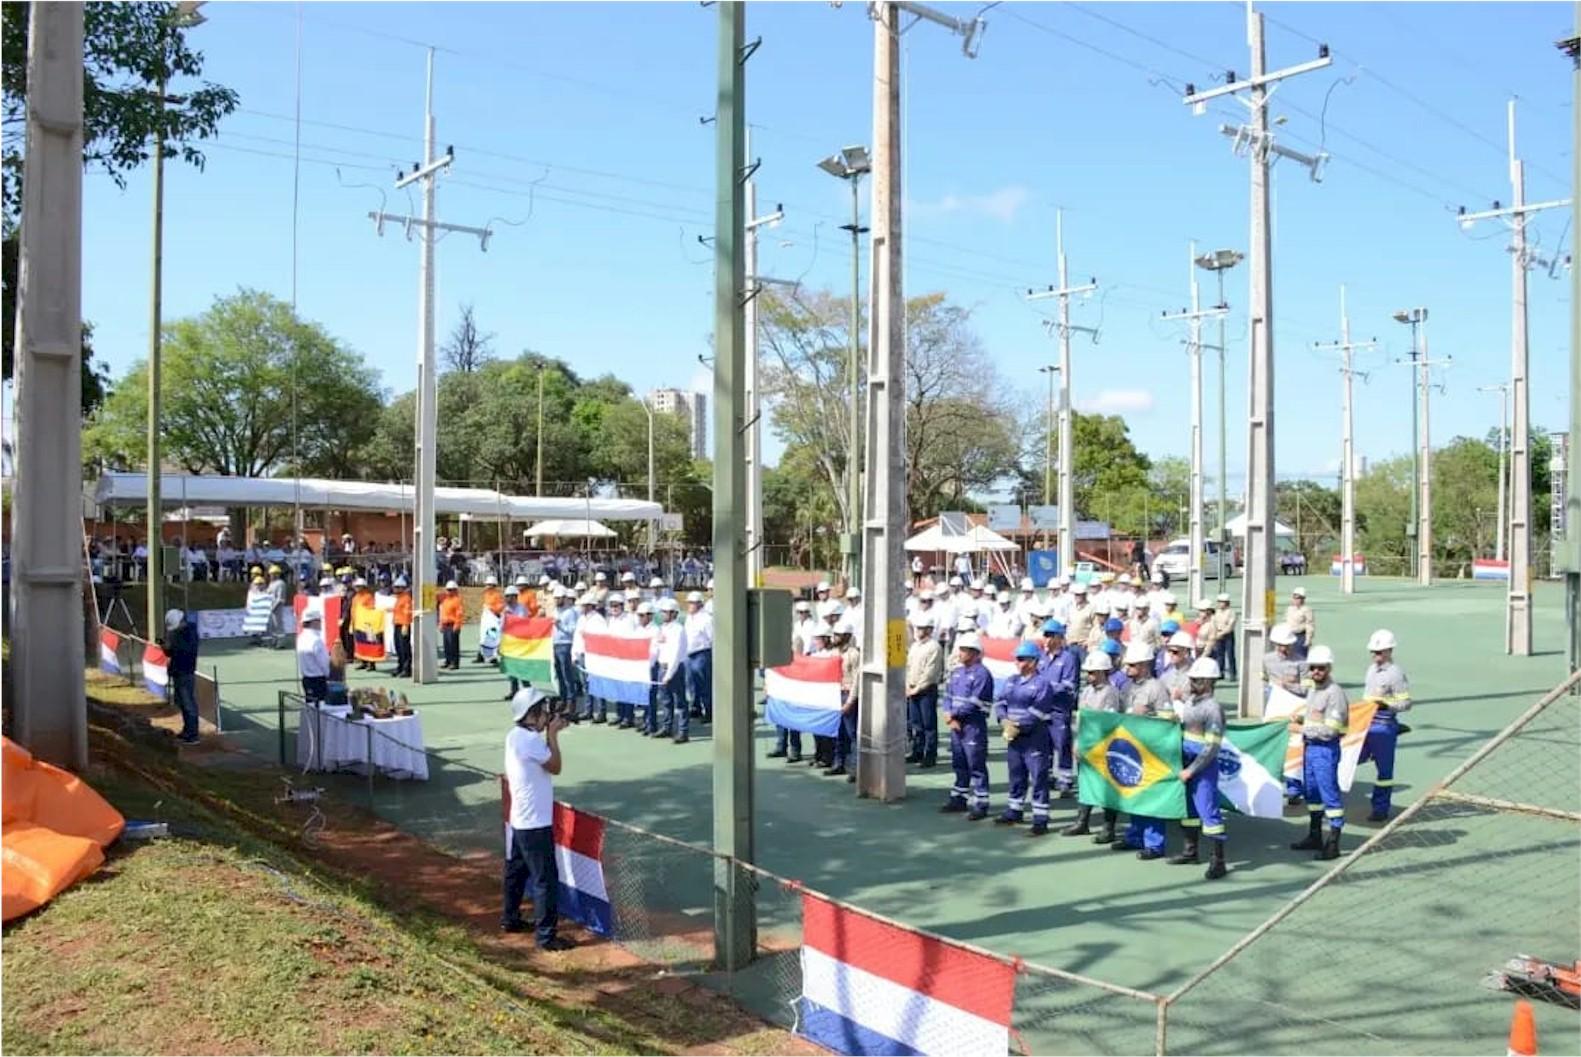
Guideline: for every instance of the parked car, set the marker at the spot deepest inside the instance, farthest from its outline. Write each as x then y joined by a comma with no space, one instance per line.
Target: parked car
1175,560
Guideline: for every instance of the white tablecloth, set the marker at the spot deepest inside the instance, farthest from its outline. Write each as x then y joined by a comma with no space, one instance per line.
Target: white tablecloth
329,740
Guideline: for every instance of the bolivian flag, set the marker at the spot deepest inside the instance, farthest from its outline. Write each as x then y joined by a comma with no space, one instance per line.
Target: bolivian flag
1131,764
527,649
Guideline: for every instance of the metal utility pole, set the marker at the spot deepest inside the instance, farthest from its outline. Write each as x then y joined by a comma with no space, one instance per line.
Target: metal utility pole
1257,598
1194,316
754,442
1067,433
46,620
1503,389
1347,370
1518,611
735,939
1570,556
1218,262
653,541
881,768
425,629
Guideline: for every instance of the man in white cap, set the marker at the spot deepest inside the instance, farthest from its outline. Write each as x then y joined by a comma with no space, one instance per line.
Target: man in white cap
656,589
699,657
589,621
946,612
820,596
601,588
532,759
803,627
1061,603
1387,685
312,658
670,655
1078,629
1025,601
452,618
1301,622
1284,670
564,636
1003,623
181,645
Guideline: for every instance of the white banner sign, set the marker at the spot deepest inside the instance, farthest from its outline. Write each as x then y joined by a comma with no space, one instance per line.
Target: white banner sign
1044,517
1004,517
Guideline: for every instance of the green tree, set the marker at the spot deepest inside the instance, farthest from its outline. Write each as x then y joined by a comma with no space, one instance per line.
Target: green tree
236,380
1313,511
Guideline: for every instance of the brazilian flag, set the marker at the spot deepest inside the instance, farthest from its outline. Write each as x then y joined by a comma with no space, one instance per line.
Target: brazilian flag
1130,763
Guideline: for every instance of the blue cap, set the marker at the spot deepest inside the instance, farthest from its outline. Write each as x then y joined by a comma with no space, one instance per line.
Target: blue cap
1053,627
1111,647
1114,624
1028,652
1169,627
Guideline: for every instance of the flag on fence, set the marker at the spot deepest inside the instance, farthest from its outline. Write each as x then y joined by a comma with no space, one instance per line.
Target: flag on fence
326,606
156,677
579,854
109,642
367,628
1130,763
999,657
1361,713
256,619
1251,764
527,650
869,987
804,695
618,668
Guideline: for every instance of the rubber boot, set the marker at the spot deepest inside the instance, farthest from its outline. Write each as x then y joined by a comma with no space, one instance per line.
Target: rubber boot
1216,869
1188,854
1080,826
1330,845
1314,838
1106,836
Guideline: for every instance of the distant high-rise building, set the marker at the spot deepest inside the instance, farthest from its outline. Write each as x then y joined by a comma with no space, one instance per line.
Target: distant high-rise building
691,408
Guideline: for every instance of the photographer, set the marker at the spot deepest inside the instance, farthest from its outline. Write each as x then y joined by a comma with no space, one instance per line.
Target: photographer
532,757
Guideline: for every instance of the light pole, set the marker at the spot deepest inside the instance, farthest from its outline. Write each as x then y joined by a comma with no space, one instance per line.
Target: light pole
1048,447
1503,389
1415,318
849,165
1218,262
653,529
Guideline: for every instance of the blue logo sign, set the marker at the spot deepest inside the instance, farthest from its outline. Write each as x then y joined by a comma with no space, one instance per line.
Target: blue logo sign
1124,763
1229,761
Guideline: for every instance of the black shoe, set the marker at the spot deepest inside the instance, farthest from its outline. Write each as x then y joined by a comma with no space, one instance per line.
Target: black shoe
1216,869
556,943
1066,794
600,719
953,806
1294,801
1188,854
1080,826
1039,829
976,814
1107,836
833,772
1314,838
777,754
914,758
851,777
188,739
1403,728
515,926
1378,816
682,740
929,761
1008,819
1330,845
1148,854
1120,845
793,759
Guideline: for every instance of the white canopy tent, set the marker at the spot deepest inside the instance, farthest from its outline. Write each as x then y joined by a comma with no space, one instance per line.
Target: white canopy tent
567,528
178,490
1236,527
975,540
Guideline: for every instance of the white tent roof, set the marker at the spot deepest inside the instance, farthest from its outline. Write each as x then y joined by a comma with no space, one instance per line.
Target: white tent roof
1236,527
976,539
131,489
568,528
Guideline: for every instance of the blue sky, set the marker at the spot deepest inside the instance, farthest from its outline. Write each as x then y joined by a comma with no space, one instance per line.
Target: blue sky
1068,105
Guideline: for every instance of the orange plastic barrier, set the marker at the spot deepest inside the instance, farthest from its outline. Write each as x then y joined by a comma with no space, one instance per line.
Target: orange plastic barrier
53,827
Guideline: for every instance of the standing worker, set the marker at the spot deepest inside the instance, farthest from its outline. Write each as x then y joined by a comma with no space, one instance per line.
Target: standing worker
1099,695
312,658
924,672
850,674
1323,724
1025,711
1301,622
1224,632
1202,730
589,622
1145,696
1388,686
532,758
489,618
670,654
565,621
1284,670
401,618
181,645
700,657
452,618
966,704
1061,669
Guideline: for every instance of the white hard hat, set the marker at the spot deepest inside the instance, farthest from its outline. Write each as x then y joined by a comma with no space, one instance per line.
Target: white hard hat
1097,661
979,584
599,577
1166,598
1122,605
1281,635
400,581
833,609
1223,598
1102,607
928,596
697,597
522,581
1203,668
451,585
312,616
616,599
544,580
656,582
523,701
359,582
1079,588
955,581
627,577
1138,653
632,594
1141,602
965,624
845,627
1382,639
1158,576
587,599
562,591
645,609
512,591
1182,641
1125,578
823,585
924,620
1004,596
329,581
1041,609
1203,603
1063,581
803,606
580,585
491,581
1299,592
1320,655
1026,584
173,619
669,605
969,641
853,592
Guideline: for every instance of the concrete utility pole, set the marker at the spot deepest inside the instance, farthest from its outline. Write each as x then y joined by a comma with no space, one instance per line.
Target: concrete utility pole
538,460
735,929
1257,600
1194,317
46,517
1518,612
1571,553
1050,425
1067,432
1422,488
1503,389
425,628
881,767
1347,536
754,441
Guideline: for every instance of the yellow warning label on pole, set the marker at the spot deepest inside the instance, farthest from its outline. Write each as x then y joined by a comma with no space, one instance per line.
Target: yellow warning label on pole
429,594
895,637
1269,601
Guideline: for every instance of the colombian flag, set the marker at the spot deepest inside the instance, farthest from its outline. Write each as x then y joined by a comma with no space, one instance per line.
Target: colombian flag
527,649
1131,764
367,627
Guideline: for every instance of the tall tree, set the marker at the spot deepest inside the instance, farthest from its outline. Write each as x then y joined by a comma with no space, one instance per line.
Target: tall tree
467,348
247,385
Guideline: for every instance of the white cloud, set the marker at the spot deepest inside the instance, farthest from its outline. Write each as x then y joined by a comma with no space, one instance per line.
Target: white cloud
1118,402
1001,205
702,381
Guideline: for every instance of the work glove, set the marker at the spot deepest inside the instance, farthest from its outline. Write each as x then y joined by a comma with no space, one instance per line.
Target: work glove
1010,731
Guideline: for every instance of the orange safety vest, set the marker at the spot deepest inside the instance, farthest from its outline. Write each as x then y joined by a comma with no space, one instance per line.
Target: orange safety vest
530,600
452,614
403,610
494,600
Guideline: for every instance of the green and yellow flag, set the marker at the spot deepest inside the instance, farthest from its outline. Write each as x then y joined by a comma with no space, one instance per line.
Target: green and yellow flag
1130,763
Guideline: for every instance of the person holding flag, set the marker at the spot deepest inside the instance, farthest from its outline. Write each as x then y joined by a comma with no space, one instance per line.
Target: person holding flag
489,619
589,621
1202,729
1099,695
1387,685
1145,696
565,620
1061,669
966,705
367,627
1025,711
1323,724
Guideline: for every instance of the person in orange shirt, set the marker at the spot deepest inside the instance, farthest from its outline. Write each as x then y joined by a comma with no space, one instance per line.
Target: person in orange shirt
401,616
493,606
452,617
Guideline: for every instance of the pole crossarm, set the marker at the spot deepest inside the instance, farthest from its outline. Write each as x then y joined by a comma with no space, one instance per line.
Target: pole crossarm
1466,219
1194,97
410,223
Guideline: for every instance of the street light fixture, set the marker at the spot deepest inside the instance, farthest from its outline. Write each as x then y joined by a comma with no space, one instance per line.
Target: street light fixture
850,164
1219,262
1414,318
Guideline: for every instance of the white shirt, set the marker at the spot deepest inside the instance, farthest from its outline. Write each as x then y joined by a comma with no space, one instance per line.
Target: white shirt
853,617
699,632
1006,624
944,612
802,636
532,790
591,621
312,657
1062,607
669,648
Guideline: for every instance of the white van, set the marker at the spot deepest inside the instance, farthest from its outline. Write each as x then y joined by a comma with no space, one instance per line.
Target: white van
1175,560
